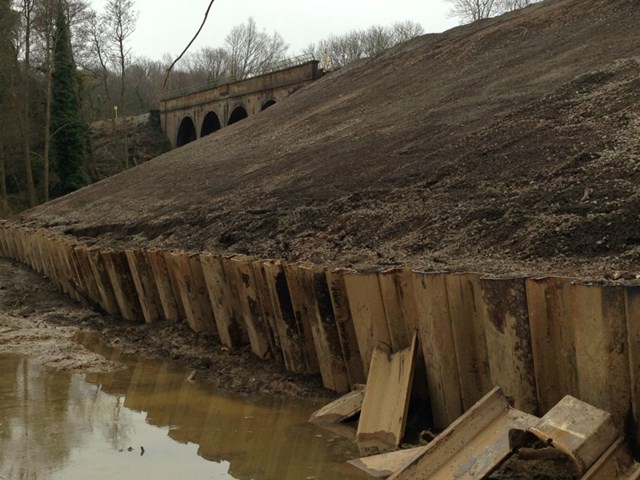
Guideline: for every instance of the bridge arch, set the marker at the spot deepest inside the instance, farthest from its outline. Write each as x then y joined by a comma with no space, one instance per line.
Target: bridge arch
239,113
186,132
267,104
210,124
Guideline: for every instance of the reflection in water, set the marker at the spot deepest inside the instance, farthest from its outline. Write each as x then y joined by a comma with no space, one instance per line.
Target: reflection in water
55,425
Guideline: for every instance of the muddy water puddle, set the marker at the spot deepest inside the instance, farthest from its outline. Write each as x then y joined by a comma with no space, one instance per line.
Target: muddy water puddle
149,421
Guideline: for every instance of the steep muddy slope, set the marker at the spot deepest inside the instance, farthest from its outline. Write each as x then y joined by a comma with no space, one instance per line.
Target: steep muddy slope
512,144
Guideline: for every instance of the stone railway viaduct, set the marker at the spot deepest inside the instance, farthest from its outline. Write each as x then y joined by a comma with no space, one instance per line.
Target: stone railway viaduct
188,116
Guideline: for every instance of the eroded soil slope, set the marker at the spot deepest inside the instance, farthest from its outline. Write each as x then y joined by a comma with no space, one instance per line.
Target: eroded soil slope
512,144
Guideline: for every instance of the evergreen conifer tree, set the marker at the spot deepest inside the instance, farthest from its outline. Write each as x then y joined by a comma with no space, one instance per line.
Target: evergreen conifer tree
8,23
8,19
67,128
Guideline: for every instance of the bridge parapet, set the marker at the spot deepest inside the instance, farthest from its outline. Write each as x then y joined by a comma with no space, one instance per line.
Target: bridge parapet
190,116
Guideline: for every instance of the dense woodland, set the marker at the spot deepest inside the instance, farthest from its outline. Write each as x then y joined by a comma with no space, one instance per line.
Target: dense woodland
64,65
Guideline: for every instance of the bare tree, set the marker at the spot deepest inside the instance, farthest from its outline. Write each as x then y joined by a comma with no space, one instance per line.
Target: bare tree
120,20
44,27
472,10
357,44
376,39
510,5
403,31
101,51
82,18
27,13
252,52
342,49
209,65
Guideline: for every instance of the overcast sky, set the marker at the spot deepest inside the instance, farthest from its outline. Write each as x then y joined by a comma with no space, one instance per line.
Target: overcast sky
167,26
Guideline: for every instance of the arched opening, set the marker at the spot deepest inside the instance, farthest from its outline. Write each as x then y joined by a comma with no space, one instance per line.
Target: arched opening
268,104
210,124
186,132
239,113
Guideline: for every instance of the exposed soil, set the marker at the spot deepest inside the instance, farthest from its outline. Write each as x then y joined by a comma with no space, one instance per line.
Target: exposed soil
516,468
508,146
511,145
38,321
144,141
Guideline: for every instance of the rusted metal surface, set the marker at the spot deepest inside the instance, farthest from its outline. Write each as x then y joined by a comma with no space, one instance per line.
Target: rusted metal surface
201,295
386,399
616,464
579,430
179,266
602,361
324,328
302,316
552,339
396,287
144,282
221,302
170,261
503,305
82,256
166,295
107,298
233,282
438,347
122,283
385,464
345,407
473,445
287,327
267,310
470,340
367,312
632,307
257,328
538,338
345,327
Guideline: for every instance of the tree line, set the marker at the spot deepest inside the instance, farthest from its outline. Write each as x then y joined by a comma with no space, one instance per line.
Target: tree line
472,10
63,65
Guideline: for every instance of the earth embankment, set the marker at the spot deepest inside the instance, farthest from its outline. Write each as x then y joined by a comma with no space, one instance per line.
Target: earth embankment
509,145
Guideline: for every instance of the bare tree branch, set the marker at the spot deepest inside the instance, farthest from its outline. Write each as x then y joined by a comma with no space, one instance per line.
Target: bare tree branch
206,14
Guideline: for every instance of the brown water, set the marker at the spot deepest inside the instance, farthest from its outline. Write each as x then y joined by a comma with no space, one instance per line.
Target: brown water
56,425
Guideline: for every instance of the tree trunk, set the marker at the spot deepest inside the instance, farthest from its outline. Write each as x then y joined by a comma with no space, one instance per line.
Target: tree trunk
123,104
47,122
4,201
31,189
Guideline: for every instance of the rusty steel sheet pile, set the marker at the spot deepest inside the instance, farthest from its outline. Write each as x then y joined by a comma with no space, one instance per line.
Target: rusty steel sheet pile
538,338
